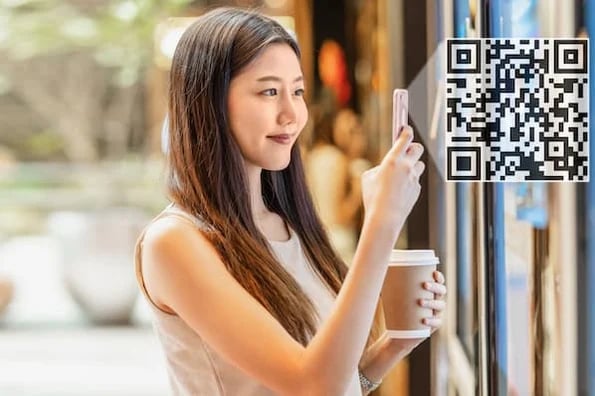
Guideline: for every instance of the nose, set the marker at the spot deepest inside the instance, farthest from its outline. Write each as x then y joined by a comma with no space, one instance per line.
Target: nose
287,111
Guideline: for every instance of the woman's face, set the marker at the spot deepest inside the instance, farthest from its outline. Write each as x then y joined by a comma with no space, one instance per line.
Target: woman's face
266,107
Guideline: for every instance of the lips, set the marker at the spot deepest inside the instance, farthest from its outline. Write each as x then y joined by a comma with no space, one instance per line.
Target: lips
282,138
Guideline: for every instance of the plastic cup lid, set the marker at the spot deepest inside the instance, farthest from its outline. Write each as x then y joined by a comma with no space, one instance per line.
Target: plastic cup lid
413,257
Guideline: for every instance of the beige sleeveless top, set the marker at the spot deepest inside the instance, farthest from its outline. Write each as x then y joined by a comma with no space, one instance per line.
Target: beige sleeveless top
194,368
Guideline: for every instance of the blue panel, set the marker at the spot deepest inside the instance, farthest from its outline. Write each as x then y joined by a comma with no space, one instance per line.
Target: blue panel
461,8
500,12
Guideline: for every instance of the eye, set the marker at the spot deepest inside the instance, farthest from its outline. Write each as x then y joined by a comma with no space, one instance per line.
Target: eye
270,92
299,92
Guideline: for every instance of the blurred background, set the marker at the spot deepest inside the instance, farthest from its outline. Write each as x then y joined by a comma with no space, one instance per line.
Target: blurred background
83,90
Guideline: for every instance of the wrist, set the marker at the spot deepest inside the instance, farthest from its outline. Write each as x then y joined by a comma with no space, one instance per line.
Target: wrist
374,361
386,223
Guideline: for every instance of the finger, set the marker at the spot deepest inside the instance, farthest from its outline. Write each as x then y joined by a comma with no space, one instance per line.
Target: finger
436,288
439,277
435,305
432,322
414,151
419,168
401,144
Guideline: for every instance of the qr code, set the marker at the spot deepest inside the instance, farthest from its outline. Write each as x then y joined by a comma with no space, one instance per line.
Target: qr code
517,110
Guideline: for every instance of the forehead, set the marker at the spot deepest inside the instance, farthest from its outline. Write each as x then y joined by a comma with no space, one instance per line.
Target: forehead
275,59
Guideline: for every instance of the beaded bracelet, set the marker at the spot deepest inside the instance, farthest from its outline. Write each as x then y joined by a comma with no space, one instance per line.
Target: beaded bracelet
366,383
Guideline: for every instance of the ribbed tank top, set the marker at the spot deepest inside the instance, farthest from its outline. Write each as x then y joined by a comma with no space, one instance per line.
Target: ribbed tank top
194,368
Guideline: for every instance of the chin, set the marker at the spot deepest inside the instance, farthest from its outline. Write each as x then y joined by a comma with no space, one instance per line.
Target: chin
276,165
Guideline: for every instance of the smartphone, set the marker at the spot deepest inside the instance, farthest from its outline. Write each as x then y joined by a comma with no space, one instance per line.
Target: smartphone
400,111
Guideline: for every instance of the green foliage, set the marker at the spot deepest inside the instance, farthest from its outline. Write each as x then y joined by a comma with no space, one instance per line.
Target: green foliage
118,32
43,145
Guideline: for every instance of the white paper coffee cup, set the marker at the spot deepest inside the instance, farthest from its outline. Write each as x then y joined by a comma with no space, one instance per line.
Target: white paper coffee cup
403,288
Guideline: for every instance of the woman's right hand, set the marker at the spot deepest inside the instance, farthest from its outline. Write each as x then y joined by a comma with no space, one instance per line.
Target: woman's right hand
391,189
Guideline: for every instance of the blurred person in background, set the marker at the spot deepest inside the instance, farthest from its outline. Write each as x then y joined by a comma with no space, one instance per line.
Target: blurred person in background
334,167
247,294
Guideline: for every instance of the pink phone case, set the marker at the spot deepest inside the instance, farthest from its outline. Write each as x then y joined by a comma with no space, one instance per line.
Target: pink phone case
400,111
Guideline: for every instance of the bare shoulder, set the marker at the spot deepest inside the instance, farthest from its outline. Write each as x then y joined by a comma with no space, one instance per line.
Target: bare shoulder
166,235
174,248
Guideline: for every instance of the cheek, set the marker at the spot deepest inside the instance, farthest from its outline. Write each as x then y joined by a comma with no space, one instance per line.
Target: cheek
233,113
248,128
302,116
242,119
242,114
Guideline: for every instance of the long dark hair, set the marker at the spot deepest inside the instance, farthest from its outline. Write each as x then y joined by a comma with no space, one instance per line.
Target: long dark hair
206,173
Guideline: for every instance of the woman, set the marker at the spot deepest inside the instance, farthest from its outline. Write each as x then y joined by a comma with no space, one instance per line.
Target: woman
247,294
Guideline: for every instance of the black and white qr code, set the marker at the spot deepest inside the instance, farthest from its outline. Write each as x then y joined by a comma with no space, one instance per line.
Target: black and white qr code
517,110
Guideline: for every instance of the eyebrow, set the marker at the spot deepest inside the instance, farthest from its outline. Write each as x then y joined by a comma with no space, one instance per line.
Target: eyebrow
277,79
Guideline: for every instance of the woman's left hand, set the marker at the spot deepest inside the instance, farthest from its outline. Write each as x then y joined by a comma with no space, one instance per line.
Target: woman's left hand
401,347
438,303
386,351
